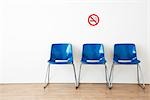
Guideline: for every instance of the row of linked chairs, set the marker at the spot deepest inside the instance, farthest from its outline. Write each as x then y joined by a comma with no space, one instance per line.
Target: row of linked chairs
94,54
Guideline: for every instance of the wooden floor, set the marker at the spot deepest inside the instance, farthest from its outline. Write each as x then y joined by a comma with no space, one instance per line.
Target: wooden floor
68,92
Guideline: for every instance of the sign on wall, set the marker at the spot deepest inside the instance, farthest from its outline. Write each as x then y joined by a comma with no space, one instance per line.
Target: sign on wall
93,19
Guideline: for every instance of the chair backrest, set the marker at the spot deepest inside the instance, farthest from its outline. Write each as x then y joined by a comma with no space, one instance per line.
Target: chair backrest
61,52
92,51
124,51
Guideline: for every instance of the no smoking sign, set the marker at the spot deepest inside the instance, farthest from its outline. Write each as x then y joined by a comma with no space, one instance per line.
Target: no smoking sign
93,19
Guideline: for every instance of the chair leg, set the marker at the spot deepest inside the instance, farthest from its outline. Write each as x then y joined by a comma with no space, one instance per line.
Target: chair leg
111,76
142,85
47,76
79,75
138,74
106,75
75,76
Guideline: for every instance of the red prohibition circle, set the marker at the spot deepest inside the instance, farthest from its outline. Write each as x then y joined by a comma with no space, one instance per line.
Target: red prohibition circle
93,19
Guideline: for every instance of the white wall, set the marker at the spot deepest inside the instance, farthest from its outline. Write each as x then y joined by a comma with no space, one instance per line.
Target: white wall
31,26
148,37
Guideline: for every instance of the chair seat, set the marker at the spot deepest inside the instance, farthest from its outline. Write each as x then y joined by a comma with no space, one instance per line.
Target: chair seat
103,61
60,62
127,62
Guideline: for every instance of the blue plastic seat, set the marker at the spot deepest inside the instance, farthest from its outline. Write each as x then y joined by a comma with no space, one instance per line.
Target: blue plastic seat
60,54
93,54
125,54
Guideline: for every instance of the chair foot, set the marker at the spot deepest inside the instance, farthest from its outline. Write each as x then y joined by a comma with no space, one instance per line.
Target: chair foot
46,85
142,86
76,87
110,87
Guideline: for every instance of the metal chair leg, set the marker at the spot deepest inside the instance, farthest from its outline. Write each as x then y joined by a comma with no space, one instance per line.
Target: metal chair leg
106,75
142,85
138,74
75,76
111,76
79,75
47,76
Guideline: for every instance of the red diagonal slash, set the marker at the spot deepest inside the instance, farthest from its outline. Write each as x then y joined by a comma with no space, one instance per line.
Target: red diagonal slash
93,19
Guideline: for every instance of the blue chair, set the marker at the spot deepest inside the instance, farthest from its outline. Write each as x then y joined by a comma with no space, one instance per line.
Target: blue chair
126,54
93,54
60,54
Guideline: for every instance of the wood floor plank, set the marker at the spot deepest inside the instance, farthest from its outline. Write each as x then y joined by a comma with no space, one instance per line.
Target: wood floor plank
68,92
